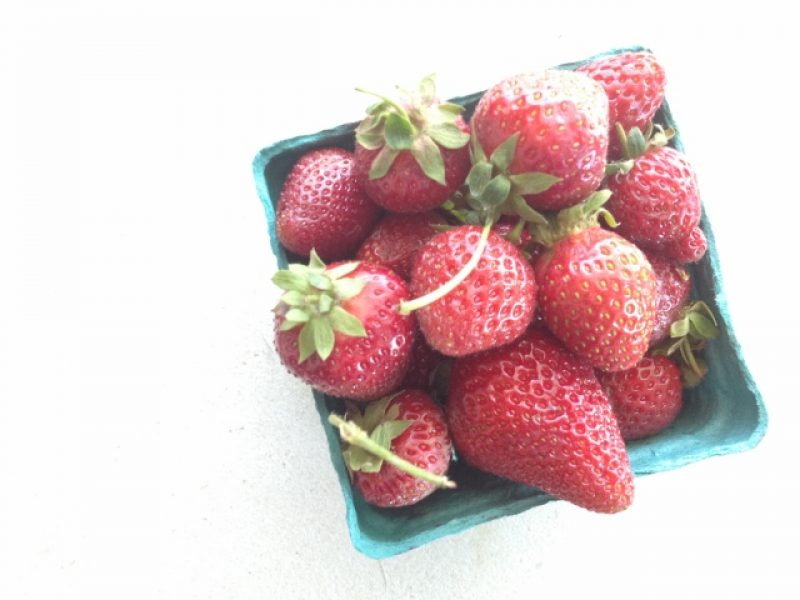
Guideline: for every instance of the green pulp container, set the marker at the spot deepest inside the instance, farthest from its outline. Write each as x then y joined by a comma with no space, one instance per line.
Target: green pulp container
725,414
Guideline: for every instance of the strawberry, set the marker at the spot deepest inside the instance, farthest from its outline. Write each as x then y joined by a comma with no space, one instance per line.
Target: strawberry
560,120
337,327
396,239
654,193
322,206
646,398
533,412
424,361
673,284
409,432
492,306
597,290
412,155
634,83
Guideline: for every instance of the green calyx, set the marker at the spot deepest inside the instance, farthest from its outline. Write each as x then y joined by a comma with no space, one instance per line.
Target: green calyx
418,124
688,335
368,439
573,219
492,191
635,144
312,300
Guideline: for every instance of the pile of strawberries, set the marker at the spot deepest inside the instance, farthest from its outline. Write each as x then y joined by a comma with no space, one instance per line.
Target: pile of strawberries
512,289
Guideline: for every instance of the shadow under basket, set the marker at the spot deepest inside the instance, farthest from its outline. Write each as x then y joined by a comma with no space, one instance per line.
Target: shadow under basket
725,414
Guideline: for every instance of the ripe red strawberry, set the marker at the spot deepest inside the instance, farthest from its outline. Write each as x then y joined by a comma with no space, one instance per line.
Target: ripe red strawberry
646,398
338,328
657,202
412,155
533,412
396,239
424,361
687,249
409,426
492,306
597,293
634,83
673,284
322,206
561,119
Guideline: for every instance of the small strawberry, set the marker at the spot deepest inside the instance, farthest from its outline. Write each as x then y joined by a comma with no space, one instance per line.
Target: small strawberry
655,196
409,432
533,412
560,121
322,206
597,290
634,83
673,284
424,361
688,249
646,398
413,155
493,305
396,239
337,327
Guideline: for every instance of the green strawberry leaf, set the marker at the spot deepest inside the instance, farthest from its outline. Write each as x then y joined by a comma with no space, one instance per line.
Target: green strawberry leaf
427,89
476,152
293,298
358,459
375,412
319,281
323,337
325,303
479,176
297,315
496,191
524,210
305,341
504,153
701,326
534,182
399,132
287,325
314,261
384,433
680,328
382,163
348,288
429,158
371,140
290,281
342,270
448,135
344,322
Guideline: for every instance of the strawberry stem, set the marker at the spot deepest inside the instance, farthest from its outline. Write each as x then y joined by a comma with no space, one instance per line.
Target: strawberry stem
442,291
354,435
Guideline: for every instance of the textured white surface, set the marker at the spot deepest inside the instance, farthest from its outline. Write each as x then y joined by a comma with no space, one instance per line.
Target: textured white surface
152,447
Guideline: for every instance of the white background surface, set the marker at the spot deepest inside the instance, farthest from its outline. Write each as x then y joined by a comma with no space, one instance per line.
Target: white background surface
151,446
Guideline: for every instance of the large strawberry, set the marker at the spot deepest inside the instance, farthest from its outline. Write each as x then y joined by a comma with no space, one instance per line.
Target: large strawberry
673,284
493,305
646,398
560,120
597,290
412,155
398,449
655,196
533,412
634,83
323,206
396,239
338,327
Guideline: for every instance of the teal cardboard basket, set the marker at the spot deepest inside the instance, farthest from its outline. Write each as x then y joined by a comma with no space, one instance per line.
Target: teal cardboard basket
725,414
